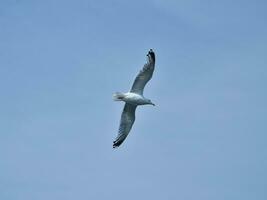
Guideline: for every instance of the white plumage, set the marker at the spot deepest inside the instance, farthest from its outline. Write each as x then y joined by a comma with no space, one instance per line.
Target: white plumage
133,99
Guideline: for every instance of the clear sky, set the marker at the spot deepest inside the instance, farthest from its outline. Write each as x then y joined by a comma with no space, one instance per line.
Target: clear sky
60,62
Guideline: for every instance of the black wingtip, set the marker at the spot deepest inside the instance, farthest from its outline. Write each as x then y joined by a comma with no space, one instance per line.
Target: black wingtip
151,54
116,144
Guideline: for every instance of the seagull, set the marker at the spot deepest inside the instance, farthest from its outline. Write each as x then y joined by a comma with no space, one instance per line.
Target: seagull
134,98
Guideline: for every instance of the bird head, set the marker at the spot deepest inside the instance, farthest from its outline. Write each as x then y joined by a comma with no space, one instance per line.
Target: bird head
150,102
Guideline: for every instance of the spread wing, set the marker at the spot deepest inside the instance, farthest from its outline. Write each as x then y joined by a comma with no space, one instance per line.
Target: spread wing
145,74
126,123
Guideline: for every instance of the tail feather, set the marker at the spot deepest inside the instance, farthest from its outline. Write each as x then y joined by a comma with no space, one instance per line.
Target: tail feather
118,96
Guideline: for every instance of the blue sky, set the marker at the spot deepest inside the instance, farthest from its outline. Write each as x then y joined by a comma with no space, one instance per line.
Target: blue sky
60,62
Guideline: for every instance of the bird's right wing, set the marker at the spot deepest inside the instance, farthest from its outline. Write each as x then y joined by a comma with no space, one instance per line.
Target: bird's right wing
144,75
126,123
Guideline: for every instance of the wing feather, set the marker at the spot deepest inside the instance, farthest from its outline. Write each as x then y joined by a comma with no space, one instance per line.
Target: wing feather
126,123
144,75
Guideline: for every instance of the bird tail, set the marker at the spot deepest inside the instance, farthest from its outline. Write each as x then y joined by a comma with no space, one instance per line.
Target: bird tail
118,96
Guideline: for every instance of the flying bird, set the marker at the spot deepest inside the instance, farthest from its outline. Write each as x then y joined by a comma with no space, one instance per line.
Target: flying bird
134,98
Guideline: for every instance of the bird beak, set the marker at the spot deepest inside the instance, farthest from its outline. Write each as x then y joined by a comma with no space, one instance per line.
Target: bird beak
153,104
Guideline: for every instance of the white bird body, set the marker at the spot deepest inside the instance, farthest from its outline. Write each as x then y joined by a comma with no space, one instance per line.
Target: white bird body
133,99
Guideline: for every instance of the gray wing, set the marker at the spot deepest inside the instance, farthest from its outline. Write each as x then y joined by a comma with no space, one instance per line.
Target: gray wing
126,123
145,74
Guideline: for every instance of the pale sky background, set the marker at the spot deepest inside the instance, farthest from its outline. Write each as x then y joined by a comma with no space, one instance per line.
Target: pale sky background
60,62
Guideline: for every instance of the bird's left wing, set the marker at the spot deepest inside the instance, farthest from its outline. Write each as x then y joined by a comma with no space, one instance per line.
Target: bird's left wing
145,74
126,123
